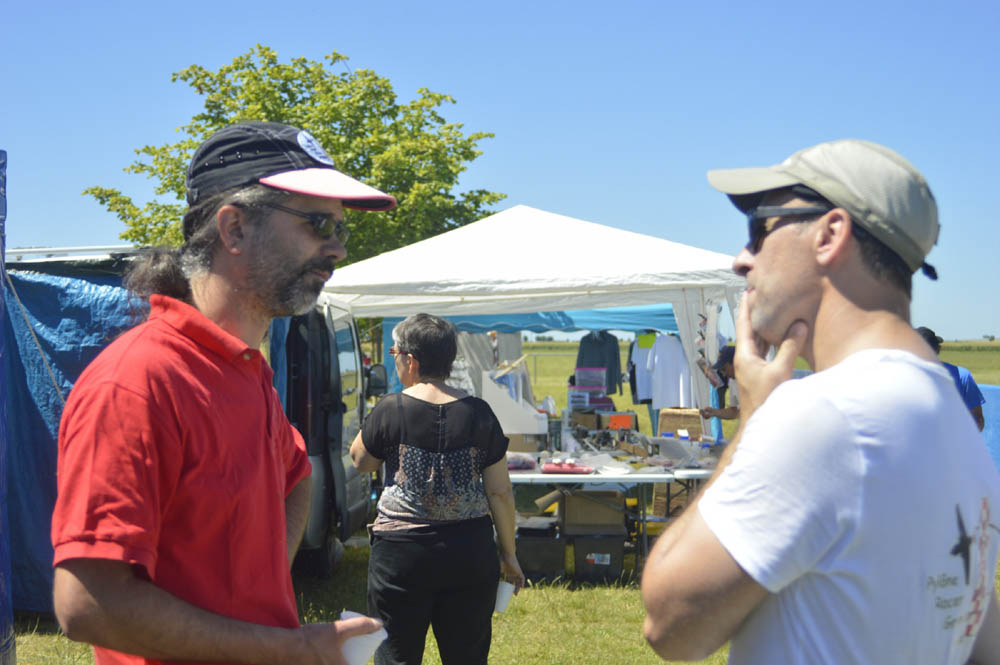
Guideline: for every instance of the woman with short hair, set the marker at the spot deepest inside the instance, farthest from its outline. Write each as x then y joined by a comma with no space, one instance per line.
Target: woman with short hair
434,558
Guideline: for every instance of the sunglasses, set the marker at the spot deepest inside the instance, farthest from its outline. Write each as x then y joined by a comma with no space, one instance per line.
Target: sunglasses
757,221
396,351
324,224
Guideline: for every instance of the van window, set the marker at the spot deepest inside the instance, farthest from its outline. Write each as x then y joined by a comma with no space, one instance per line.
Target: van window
350,381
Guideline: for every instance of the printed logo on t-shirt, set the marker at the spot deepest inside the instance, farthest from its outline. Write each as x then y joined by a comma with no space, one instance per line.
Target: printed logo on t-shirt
950,588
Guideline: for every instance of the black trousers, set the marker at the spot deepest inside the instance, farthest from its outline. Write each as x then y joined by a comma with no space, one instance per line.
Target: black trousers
446,581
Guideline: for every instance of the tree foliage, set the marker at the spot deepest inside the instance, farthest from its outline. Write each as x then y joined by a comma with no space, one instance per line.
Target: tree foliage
407,150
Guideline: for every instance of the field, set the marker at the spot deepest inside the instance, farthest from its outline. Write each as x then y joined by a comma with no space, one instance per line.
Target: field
553,624
982,358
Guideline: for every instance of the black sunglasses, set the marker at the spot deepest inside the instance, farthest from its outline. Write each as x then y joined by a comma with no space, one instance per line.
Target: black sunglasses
757,221
323,223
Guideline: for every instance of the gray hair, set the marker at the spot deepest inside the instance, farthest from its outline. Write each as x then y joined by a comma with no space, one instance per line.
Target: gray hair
168,270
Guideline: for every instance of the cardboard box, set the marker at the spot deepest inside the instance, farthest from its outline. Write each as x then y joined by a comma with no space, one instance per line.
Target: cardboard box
585,419
526,443
633,449
591,512
617,420
672,420
661,499
598,558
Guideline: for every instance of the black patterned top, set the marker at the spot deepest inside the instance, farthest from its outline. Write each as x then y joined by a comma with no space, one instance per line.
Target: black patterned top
434,457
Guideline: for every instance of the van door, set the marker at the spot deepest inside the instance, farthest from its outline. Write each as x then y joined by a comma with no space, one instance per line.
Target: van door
354,497
310,406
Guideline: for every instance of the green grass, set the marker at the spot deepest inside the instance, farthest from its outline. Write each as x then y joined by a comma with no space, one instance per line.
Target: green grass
550,624
982,358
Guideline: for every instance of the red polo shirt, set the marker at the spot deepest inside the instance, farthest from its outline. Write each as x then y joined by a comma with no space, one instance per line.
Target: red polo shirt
175,456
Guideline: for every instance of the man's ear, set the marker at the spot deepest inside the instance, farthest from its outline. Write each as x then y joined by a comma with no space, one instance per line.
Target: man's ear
833,237
231,221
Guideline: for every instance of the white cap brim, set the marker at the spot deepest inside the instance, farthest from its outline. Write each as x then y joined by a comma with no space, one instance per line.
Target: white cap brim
331,184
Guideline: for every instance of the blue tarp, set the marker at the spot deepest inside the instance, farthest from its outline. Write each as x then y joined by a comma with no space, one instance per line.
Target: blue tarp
641,317
7,644
991,412
73,318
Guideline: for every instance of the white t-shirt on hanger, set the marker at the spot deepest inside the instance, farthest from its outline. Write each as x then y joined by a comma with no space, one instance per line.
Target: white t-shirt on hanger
670,374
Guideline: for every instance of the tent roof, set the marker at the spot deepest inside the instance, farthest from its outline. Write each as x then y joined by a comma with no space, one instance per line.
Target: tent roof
528,260
640,317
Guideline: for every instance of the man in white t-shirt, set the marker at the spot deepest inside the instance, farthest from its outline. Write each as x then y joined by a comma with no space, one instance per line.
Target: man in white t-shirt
855,517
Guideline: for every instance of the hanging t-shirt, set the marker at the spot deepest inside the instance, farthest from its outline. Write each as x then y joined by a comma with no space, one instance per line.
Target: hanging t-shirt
670,374
600,349
640,377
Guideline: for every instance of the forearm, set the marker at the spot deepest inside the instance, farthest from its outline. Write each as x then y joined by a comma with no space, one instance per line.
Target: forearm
296,515
977,415
502,509
104,603
695,595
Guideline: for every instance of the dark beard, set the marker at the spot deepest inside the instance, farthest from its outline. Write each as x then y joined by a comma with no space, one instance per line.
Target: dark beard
283,291
297,294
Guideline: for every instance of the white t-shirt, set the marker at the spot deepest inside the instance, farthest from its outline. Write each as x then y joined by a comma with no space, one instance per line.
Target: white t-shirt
844,500
670,373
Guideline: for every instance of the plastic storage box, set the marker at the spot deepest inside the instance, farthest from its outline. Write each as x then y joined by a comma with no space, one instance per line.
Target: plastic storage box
542,558
592,379
599,558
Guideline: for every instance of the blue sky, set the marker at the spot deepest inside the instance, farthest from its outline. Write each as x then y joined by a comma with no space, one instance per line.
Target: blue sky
609,112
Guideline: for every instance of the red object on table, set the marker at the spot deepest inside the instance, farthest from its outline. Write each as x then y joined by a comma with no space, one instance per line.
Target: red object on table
566,467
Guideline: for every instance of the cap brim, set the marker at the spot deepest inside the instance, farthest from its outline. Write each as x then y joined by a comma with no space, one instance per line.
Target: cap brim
745,186
750,180
331,184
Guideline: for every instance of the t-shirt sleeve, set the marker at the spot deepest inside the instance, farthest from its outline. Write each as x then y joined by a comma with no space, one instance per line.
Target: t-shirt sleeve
118,462
971,394
374,433
497,443
789,494
297,464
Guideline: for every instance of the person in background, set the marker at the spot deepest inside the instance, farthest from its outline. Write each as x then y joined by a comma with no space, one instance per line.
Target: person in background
433,554
724,370
962,377
816,540
183,490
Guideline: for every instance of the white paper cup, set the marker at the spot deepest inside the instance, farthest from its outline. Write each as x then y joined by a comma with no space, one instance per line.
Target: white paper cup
504,592
359,649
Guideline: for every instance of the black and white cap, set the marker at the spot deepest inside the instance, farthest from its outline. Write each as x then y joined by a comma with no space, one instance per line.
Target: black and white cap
279,156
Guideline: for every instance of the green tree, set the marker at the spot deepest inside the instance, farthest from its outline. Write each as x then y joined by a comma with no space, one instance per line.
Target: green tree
407,150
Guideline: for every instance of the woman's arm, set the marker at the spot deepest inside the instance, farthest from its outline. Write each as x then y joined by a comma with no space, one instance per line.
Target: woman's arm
500,494
363,460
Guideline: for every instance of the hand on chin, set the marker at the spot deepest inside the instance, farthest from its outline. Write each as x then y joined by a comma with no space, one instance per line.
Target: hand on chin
755,375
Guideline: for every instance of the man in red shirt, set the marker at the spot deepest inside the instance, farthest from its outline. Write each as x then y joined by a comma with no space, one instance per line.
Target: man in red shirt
183,489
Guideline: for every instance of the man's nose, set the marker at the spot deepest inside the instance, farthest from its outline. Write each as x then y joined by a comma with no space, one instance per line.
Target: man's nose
743,262
334,248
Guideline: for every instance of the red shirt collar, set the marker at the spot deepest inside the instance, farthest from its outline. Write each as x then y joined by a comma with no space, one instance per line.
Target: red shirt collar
190,322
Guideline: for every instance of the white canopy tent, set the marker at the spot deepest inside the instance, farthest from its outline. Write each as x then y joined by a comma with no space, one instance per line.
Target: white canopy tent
528,260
